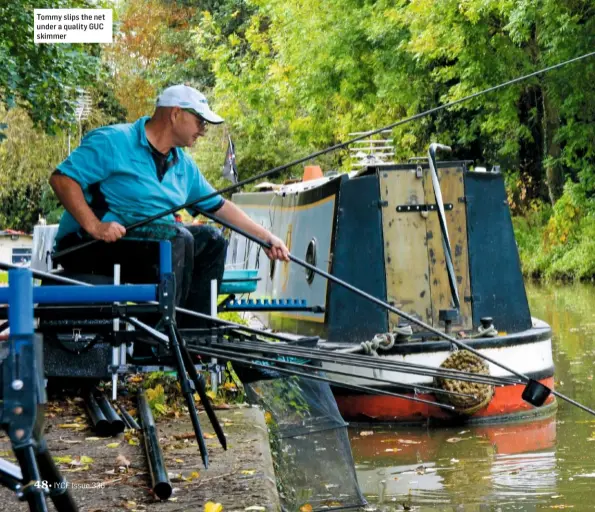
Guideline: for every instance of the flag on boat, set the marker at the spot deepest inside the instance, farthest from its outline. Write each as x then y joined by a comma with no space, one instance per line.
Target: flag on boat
230,168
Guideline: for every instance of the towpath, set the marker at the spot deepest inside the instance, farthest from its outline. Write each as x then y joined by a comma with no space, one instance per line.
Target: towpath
112,474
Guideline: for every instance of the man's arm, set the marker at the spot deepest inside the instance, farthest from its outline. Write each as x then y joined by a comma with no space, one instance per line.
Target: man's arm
71,196
234,215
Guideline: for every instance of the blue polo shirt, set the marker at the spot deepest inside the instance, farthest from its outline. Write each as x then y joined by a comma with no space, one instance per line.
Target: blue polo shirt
116,161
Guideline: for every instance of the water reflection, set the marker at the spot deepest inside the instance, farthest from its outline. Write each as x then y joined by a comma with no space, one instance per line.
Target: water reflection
540,465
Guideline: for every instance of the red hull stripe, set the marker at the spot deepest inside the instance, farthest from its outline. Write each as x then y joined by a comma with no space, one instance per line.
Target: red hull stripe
506,401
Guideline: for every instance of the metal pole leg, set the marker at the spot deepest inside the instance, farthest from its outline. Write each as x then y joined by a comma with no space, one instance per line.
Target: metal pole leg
116,351
214,372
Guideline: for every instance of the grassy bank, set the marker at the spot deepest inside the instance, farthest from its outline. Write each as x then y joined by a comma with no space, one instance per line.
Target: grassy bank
559,243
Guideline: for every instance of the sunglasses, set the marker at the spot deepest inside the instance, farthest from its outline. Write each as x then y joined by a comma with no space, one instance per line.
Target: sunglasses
201,120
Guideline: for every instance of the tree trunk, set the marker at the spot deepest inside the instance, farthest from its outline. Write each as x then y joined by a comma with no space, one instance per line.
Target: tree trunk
531,150
551,149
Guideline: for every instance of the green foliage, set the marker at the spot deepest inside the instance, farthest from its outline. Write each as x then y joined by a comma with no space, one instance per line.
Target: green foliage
294,76
298,75
42,78
27,158
559,242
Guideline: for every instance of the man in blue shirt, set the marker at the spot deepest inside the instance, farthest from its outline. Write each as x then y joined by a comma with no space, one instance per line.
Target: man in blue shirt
124,173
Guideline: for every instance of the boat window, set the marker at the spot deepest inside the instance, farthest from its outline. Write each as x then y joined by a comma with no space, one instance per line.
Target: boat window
311,259
21,255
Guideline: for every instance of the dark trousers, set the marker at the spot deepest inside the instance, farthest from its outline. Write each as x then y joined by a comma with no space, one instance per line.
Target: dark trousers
198,255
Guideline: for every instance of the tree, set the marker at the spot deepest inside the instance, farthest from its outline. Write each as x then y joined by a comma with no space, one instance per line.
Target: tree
44,79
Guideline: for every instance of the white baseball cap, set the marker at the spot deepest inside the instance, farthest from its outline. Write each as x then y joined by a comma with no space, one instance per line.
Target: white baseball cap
189,98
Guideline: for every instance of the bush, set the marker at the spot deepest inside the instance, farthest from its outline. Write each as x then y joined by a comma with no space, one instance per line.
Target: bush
559,243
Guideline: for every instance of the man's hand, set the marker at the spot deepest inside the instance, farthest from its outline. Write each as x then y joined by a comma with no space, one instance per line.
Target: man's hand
107,231
278,250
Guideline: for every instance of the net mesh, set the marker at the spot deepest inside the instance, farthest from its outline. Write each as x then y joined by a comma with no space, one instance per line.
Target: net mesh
311,451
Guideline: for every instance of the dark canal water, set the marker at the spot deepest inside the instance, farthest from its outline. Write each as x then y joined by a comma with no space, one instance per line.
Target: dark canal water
544,465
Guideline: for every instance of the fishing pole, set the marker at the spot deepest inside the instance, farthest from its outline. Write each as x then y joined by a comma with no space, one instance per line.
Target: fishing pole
340,145
527,380
376,363
217,353
225,351
355,387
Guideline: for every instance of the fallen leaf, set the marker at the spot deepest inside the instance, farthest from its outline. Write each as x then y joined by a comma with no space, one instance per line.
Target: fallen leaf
179,460
248,471
213,507
306,508
268,417
93,438
72,425
112,445
133,442
63,460
366,433
255,508
206,435
194,475
187,435
70,441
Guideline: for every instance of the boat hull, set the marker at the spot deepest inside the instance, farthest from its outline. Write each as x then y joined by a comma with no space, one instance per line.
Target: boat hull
528,352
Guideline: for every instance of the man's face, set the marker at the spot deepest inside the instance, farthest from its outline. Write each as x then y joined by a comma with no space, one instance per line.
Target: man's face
188,127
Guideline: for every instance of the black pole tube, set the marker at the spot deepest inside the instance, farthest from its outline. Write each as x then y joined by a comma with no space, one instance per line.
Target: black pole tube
186,387
59,493
341,145
98,419
387,306
128,418
117,426
159,479
199,385
35,496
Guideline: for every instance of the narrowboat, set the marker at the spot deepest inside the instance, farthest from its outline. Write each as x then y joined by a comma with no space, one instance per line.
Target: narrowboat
435,240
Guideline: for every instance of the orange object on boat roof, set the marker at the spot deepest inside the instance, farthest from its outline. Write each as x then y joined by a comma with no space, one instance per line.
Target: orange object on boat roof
312,172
